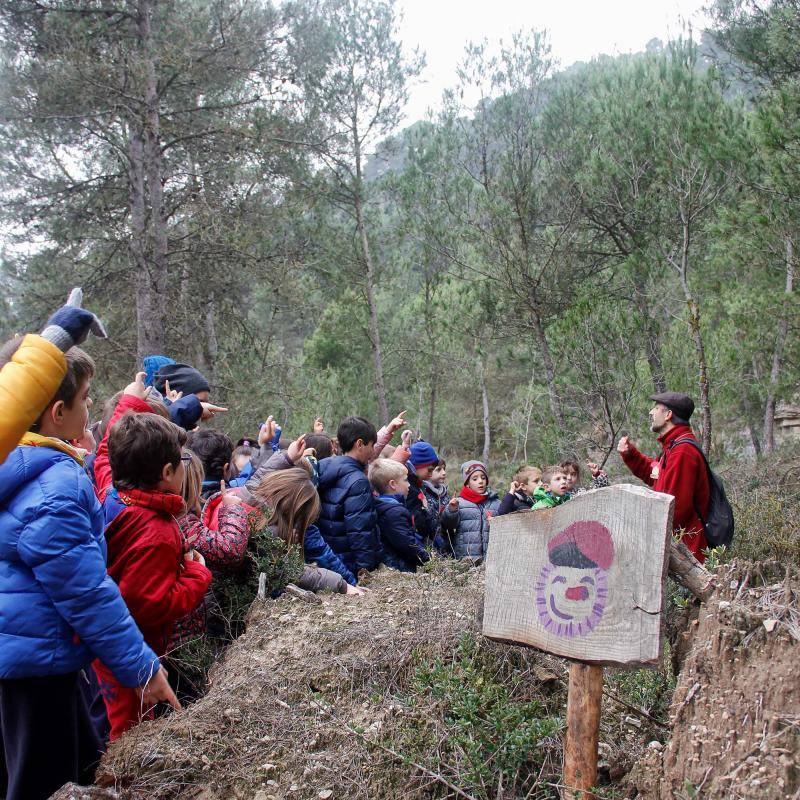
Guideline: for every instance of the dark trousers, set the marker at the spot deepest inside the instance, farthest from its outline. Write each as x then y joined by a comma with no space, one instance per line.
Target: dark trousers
46,736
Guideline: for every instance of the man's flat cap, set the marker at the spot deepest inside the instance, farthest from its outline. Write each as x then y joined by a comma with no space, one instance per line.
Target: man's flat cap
679,403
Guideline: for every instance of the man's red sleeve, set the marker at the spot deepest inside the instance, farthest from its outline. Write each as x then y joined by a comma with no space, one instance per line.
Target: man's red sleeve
639,464
102,469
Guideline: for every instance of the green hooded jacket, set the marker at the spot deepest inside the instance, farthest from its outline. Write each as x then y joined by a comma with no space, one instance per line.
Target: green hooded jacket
546,499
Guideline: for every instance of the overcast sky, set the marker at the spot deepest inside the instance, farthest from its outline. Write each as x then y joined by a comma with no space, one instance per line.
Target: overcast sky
579,30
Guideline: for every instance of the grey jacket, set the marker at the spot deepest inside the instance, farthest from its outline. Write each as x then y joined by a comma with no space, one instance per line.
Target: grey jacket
467,529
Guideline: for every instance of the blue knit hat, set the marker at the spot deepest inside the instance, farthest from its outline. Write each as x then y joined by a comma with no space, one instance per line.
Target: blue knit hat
422,454
151,365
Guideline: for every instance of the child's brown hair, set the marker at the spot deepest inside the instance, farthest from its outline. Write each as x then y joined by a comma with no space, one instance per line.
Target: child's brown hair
293,500
568,465
139,445
548,473
110,406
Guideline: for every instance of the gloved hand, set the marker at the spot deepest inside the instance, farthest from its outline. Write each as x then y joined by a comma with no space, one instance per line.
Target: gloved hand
71,324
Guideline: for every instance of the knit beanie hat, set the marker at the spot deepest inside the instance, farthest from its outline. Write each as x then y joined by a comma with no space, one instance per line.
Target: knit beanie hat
182,378
468,467
422,454
151,365
585,545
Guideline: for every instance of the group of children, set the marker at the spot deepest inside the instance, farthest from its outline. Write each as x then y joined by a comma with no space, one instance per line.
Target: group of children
109,537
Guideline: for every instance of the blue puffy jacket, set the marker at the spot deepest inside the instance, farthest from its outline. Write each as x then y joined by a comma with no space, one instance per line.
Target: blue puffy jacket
348,520
402,546
58,607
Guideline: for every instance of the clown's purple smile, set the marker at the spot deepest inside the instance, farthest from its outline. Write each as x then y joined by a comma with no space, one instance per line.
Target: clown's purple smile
572,589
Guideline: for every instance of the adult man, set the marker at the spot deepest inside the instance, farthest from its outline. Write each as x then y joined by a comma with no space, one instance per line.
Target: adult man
679,470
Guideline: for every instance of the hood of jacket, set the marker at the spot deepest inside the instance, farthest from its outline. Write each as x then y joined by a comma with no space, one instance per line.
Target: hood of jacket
25,464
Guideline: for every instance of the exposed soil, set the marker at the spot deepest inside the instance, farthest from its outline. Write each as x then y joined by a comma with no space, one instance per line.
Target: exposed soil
323,700
735,714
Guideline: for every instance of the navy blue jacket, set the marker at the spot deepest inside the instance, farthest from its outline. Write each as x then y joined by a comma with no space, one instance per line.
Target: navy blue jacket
316,550
58,607
402,547
185,412
348,521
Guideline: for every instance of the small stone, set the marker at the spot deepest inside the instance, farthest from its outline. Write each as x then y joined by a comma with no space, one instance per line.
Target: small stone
294,787
329,613
770,624
325,794
268,767
724,605
654,745
635,721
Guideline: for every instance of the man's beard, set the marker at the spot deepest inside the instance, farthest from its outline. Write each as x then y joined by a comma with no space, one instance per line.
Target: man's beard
656,428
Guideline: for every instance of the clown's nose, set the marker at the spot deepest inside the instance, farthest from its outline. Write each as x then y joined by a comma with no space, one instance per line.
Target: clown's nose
577,593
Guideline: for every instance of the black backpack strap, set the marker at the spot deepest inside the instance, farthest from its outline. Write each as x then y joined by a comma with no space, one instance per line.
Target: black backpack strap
692,441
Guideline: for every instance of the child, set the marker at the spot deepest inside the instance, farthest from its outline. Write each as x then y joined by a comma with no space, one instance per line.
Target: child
573,472
295,505
402,547
348,521
315,549
465,521
520,494
423,459
215,450
241,464
58,608
435,487
554,489
159,582
223,545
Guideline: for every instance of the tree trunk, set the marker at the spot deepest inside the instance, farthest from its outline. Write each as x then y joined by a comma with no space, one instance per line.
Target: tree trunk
652,336
487,433
697,336
211,350
374,328
149,243
549,370
768,435
434,375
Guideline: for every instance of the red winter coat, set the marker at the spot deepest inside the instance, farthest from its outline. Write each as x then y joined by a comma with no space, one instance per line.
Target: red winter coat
682,473
102,467
145,558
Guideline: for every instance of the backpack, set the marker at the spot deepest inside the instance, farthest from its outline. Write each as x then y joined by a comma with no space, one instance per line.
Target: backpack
718,524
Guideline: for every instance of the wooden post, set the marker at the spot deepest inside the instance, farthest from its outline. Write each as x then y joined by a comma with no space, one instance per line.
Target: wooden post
584,698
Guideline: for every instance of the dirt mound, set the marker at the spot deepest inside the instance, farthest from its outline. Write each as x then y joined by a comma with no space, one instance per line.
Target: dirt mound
391,695
735,714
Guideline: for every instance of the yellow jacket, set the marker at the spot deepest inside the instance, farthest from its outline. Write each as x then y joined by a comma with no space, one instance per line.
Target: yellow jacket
27,383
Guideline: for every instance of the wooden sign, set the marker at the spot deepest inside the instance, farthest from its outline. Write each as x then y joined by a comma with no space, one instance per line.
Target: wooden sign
584,580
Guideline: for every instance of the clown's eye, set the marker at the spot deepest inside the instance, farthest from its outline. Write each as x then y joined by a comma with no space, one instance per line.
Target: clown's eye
559,579
587,579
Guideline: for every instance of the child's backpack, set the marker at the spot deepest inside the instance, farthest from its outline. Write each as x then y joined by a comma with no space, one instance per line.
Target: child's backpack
718,523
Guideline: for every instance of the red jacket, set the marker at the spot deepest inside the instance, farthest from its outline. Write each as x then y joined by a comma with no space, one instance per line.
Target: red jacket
102,468
682,473
145,558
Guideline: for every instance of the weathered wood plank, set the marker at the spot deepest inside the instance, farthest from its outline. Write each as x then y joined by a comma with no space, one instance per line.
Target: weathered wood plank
584,580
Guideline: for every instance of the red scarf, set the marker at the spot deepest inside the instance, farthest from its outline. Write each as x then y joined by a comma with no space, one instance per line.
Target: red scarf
473,496
166,502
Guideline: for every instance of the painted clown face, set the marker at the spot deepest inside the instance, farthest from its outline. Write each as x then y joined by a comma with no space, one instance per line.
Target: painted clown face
572,588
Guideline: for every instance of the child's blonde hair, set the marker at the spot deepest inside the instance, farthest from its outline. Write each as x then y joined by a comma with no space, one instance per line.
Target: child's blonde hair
193,476
525,472
548,473
383,470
